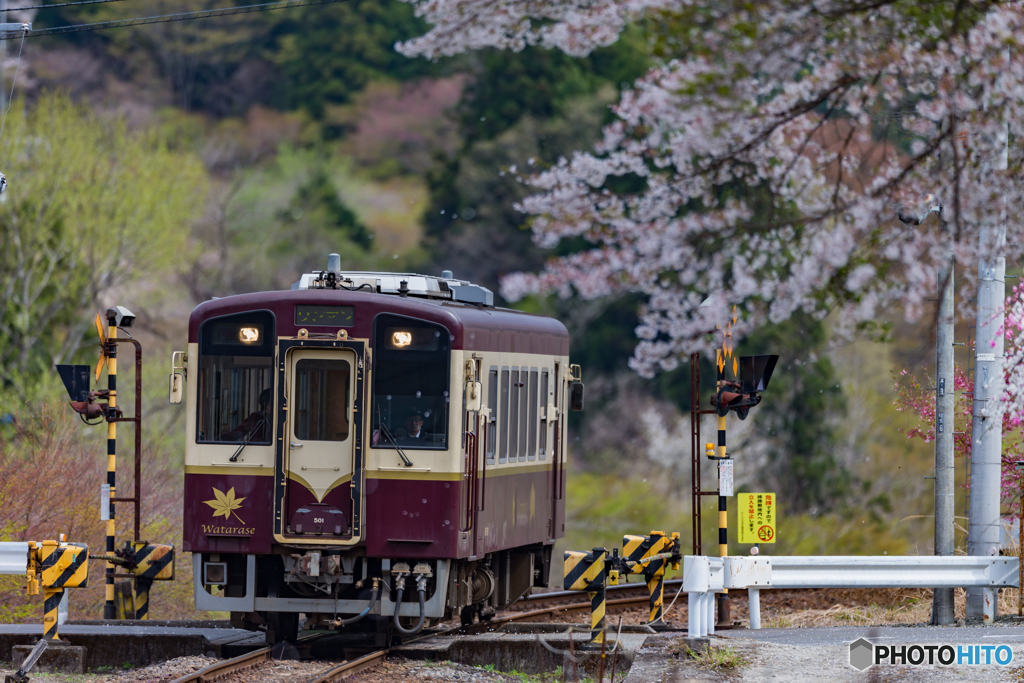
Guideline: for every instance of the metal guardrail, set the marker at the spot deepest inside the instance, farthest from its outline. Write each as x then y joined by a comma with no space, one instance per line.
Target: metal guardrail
887,571
705,576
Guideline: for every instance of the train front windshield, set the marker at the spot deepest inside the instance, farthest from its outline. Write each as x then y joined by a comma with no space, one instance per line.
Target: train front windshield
411,397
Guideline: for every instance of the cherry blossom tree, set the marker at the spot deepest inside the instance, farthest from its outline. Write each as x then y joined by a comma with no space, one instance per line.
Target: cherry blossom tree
764,158
917,398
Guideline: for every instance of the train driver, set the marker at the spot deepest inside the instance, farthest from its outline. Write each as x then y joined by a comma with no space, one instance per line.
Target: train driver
256,427
414,433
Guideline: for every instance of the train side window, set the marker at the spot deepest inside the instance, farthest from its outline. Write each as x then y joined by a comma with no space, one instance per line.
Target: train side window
531,449
544,413
492,405
514,416
524,412
558,379
503,425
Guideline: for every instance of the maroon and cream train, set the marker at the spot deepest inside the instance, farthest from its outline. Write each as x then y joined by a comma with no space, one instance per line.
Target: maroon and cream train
366,432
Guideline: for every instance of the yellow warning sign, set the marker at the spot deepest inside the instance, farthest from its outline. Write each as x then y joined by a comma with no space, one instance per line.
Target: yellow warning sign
757,517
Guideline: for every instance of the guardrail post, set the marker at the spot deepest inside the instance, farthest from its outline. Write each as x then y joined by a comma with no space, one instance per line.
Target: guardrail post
693,616
755,607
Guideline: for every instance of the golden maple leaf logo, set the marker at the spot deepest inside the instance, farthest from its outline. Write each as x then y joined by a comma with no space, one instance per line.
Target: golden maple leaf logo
225,504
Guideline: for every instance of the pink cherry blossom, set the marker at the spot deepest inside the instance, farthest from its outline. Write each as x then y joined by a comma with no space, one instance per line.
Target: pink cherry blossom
767,180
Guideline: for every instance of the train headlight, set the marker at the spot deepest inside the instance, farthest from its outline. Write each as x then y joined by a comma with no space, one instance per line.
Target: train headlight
401,339
249,335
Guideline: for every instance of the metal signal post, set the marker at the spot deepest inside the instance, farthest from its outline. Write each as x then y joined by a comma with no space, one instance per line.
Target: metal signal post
110,350
88,404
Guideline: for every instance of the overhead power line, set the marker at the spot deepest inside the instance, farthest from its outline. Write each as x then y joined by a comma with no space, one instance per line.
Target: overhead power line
63,4
165,18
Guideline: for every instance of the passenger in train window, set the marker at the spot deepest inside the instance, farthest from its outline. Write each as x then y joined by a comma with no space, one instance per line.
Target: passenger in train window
256,427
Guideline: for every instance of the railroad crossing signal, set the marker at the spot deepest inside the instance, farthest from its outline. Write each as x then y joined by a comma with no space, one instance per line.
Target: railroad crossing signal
593,571
649,556
754,374
55,565
587,572
153,562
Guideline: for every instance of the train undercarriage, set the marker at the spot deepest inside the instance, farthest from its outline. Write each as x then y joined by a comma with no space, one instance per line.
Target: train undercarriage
329,589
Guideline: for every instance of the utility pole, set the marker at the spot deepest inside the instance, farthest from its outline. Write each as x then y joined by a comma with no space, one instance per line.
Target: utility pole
942,598
987,422
3,59
987,414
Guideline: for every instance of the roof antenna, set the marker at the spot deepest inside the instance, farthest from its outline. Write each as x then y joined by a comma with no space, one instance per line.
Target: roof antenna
403,288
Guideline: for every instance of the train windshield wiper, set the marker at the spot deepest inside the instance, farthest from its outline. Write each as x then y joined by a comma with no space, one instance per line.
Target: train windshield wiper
387,433
248,437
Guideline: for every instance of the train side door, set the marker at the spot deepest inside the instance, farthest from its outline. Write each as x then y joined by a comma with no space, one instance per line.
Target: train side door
319,468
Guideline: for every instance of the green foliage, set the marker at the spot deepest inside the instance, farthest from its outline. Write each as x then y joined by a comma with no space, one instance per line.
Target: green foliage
326,54
540,83
317,203
526,108
798,414
718,658
90,206
300,58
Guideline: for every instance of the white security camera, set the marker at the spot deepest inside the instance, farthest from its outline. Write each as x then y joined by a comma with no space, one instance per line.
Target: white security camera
122,316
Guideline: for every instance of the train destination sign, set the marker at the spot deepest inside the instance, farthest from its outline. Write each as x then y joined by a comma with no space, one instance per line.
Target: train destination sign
757,517
324,316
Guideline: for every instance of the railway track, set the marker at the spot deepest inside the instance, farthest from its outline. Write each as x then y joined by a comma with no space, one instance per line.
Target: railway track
560,603
256,659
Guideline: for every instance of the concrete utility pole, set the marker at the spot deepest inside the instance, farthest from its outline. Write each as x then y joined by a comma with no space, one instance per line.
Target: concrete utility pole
942,598
3,58
987,422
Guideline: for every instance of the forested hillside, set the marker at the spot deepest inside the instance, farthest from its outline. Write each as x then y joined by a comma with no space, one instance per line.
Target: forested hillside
157,167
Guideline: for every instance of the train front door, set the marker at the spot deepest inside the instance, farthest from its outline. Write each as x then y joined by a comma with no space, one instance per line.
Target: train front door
320,470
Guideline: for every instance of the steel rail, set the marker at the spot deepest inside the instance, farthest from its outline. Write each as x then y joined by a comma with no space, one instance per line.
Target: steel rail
346,669
495,624
215,671
566,595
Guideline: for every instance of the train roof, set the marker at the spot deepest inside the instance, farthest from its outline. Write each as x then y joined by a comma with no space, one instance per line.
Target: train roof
475,325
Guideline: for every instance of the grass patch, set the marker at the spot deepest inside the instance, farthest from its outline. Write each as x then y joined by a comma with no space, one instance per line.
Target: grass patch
718,658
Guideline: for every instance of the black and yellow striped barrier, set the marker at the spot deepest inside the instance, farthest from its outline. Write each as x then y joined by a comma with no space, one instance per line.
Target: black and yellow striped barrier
650,556
55,566
588,572
153,562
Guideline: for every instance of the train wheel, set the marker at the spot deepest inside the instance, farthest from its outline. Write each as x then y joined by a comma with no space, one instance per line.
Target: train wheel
466,615
282,627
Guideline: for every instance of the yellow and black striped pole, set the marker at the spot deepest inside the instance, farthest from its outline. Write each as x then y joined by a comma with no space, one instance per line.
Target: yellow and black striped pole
723,502
597,610
109,611
153,562
51,601
655,576
142,587
586,572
